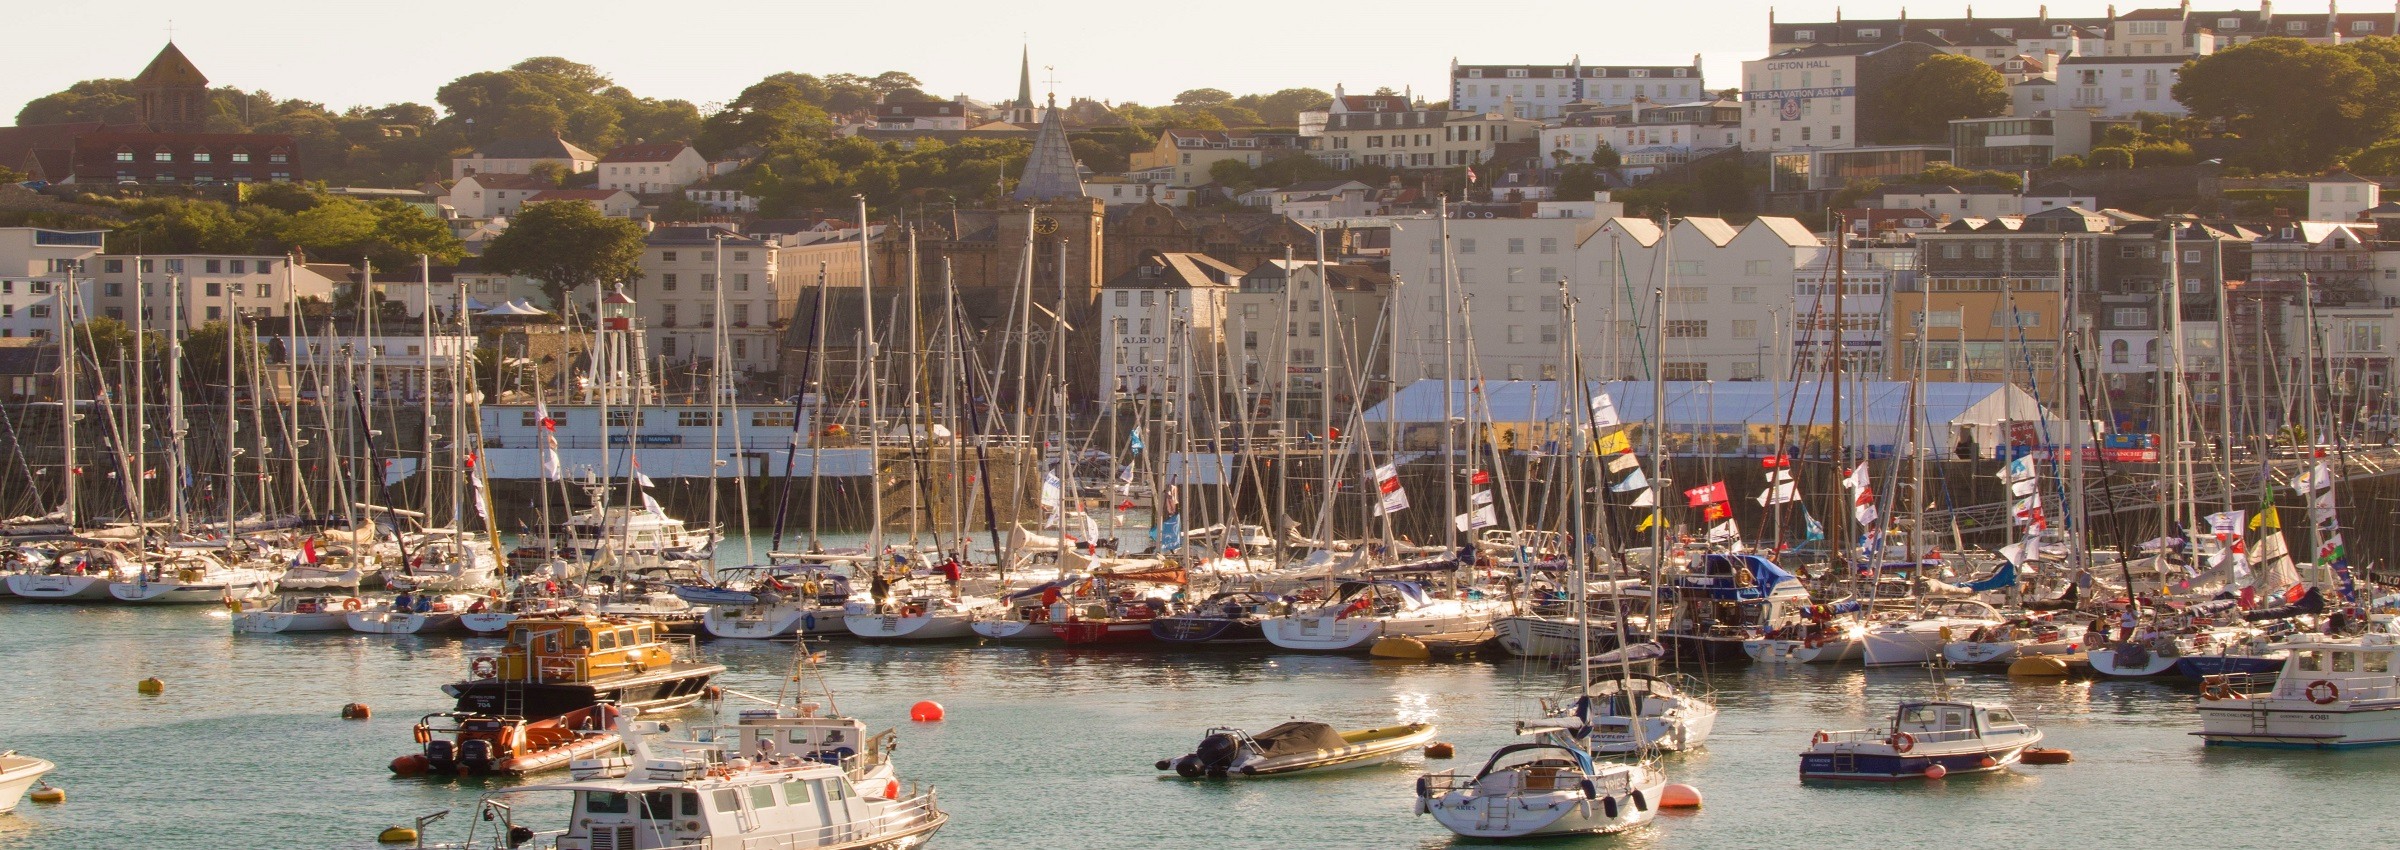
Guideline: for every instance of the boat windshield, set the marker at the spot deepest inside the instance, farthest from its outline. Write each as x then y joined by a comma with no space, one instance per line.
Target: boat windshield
1516,756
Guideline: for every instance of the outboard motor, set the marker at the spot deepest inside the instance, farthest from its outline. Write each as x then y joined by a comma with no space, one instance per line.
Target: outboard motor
1217,752
441,756
476,754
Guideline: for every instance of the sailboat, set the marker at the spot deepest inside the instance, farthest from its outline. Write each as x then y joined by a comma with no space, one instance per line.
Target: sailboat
1550,788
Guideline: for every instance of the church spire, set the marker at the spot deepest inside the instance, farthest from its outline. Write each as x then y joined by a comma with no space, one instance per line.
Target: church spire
1050,173
1025,81
170,94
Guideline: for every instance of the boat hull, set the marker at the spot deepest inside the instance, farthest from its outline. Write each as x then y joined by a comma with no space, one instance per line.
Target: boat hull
737,623
1105,632
664,689
1548,637
2000,653
391,623
2285,723
287,622
1015,631
1566,811
1205,630
58,588
18,773
1863,767
943,626
197,593
2198,667
2108,662
1836,651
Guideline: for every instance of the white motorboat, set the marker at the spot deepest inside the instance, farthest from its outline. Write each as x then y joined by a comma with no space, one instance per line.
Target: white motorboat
1530,790
1919,640
492,619
442,560
1840,641
17,773
695,795
622,536
2001,645
778,600
409,614
2332,693
1296,747
923,617
190,575
76,576
1364,610
1926,740
292,614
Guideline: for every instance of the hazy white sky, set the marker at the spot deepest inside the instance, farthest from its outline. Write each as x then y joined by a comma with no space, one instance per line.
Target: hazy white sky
346,53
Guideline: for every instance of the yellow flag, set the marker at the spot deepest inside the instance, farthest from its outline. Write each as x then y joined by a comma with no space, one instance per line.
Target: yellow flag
1614,443
1647,521
2267,520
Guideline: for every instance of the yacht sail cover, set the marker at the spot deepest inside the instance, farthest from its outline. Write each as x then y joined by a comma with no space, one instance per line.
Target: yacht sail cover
1298,736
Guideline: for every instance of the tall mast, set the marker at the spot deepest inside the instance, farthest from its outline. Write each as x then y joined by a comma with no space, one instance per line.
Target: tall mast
866,301
716,398
1326,322
66,392
1024,330
175,421
1835,349
1449,314
233,451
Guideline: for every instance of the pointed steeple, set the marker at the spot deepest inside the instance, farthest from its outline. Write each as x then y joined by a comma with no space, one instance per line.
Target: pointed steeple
171,95
171,68
1025,80
1050,173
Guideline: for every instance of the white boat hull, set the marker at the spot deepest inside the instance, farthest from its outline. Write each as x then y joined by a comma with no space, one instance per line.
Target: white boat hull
18,773
1994,653
486,622
1544,637
755,623
1565,811
57,587
1015,631
946,625
2104,662
287,622
240,584
313,578
1843,650
1326,632
391,623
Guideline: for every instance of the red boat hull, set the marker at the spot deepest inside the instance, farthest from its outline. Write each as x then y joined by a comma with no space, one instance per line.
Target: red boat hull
1104,632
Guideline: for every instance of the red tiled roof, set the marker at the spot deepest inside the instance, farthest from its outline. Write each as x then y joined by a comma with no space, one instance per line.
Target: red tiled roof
572,195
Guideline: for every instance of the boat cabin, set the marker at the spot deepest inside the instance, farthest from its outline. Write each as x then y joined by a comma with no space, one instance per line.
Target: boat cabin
2355,670
576,649
807,806
1737,592
778,735
1379,597
1933,722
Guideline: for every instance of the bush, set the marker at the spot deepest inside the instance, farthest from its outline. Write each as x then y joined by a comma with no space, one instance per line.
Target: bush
2070,162
2112,158
2156,154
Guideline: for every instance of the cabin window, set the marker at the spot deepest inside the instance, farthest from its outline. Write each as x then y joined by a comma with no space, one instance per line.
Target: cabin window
795,792
2345,662
762,796
729,800
605,802
641,634
658,805
1999,717
583,638
2375,662
608,640
836,790
691,804
2311,661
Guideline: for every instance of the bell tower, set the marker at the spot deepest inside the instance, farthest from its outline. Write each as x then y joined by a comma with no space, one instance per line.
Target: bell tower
171,95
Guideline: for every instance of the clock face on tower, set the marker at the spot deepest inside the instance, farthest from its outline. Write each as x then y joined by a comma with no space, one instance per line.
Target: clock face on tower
1045,225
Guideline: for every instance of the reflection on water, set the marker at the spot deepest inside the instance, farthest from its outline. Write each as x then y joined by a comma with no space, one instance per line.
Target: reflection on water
1052,748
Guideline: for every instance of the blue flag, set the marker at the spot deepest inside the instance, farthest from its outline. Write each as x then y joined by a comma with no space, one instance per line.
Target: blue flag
1634,480
1136,442
1816,530
1169,533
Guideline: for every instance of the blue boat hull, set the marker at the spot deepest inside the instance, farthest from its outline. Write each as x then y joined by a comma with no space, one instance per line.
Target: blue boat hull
1882,768
2196,667
1217,630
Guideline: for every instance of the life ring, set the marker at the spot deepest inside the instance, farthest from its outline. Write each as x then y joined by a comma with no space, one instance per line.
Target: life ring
1820,737
2212,689
424,734
483,668
351,604
1902,742
2331,692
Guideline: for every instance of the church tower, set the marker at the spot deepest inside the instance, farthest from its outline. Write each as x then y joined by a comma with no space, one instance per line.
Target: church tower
1021,111
171,94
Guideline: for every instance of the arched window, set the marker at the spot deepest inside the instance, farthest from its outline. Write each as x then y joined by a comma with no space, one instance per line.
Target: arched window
2119,352
2150,351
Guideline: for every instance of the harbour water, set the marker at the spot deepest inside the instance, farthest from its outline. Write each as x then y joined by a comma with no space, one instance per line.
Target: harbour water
1052,748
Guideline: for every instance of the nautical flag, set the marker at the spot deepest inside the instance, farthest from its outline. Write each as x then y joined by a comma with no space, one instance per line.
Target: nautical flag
1781,474
149,474
1052,492
308,551
1634,480
1648,498
1125,473
2017,470
1614,442
2023,488
2316,478
1470,174
1706,495
551,469
1482,517
1392,498
1724,532
2267,519
1480,476
1716,511
643,478
1648,520
1857,479
1134,442
1604,411
1781,493
482,495
1479,497
2225,524
398,469
1623,462
650,503
1126,505
1815,530
1865,513
2014,552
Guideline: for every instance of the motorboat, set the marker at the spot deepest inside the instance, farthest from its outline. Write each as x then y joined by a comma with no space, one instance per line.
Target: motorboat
554,665
691,796
1919,639
930,616
629,536
2003,644
1832,633
293,614
2332,693
1294,748
81,575
454,742
1363,610
770,737
1225,617
190,575
412,614
1926,740
490,616
1717,602
2225,651
758,603
1536,789
646,593
444,560
1676,712
19,772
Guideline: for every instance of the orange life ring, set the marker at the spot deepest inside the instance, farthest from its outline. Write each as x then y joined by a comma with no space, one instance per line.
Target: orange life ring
2331,692
424,734
1820,737
1902,742
483,668
351,604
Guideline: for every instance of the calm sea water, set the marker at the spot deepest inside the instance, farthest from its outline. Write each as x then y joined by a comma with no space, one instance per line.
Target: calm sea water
1052,748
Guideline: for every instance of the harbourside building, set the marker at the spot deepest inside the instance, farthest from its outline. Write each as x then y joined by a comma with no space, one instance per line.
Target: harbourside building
1547,91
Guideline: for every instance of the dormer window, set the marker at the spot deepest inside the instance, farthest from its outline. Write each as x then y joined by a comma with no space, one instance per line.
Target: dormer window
1558,72
1804,35
1474,73
2362,26
2229,23
1516,73
2296,27
1638,72
2059,31
202,156
1683,72
1878,33
163,156
241,156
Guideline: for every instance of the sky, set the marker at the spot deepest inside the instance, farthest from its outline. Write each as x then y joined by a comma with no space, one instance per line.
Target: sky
350,53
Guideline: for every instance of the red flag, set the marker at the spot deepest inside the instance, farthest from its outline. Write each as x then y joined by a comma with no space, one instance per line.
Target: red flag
1333,433
1706,495
1232,553
1126,505
1480,477
308,551
1716,511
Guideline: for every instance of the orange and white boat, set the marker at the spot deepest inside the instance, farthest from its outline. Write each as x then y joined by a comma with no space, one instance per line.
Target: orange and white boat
458,742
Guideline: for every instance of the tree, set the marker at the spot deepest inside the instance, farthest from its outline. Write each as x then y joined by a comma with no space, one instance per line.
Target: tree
1922,101
1580,182
1232,173
2295,105
767,113
109,101
389,233
182,226
2070,162
1203,97
565,245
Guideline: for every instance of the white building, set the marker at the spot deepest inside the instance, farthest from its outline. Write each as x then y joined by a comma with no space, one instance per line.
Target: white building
1729,294
1144,313
1647,137
1315,200
2342,196
1129,190
653,167
493,195
1814,97
400,364
2117,86
211,287
1982,201
1543,91
35,265
520,156
1390,130
685,272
